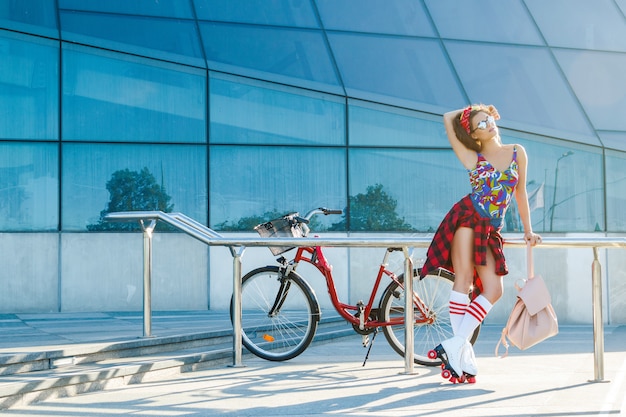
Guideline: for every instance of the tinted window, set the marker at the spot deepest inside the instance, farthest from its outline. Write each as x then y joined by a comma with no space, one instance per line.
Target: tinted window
248,182
245,111
29,186
29,96
290,56
95,175
115,97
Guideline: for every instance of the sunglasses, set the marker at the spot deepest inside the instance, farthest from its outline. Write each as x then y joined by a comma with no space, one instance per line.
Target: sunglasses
482,125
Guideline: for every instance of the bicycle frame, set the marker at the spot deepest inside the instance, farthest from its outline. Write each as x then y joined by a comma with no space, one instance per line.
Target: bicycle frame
315,257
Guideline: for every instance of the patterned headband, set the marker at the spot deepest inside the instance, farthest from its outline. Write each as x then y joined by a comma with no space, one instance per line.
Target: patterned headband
465,117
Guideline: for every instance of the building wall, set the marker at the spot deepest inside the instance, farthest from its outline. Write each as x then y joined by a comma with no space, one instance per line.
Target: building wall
233,117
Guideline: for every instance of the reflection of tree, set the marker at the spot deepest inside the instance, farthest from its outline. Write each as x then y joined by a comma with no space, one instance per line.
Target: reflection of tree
132,191
374,211
248,223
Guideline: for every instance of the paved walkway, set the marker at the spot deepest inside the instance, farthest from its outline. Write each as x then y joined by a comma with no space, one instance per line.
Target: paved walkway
551,379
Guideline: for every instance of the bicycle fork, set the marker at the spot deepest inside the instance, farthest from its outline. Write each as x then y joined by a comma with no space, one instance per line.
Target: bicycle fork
285,284
283,290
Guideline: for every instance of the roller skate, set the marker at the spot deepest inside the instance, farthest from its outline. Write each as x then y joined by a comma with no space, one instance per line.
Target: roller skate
459,362
468,363
450,352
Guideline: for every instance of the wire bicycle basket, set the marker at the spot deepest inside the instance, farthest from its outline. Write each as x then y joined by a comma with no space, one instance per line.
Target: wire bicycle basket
285,226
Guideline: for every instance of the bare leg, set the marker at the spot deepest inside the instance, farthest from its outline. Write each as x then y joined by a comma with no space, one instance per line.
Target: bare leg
462,254
493,287
481,305
463,262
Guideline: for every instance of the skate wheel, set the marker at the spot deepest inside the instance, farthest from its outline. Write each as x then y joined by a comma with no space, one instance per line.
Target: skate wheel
454,380
461,379
443,366
471,379
445,374
432,354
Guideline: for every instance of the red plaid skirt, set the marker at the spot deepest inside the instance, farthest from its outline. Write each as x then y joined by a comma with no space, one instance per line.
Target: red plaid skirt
486,236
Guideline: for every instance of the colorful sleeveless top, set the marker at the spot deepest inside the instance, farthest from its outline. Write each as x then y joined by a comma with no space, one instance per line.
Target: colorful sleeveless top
491,189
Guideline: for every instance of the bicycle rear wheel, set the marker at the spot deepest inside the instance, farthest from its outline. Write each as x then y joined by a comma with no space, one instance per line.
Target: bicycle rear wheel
279,314
429,330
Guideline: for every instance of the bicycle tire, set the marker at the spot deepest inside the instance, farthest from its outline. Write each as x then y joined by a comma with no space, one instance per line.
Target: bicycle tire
434,291
289,330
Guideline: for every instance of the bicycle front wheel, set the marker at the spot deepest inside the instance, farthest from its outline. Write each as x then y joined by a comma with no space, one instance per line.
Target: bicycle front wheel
432,318
279,314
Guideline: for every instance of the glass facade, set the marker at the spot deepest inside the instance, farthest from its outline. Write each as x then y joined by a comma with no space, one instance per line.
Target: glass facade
274,114
122,98
231,113
94,174
29,97
29,186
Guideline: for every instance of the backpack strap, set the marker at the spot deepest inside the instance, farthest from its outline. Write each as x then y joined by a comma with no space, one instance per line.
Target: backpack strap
504,342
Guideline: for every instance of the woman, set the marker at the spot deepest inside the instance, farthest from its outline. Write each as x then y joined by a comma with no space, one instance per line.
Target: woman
468,240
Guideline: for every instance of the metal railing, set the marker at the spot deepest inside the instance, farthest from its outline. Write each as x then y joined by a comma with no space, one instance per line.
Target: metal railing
237,247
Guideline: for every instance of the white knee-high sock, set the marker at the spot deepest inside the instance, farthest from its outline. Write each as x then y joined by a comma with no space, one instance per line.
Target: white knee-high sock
458,307
475,314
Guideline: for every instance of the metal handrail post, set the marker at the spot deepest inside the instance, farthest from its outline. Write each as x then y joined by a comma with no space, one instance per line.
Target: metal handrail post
598,324
408,312
236,313
147,276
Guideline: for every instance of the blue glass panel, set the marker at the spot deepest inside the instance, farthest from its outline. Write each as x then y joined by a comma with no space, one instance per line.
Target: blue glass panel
393,70
163,8
517,82
399,17
290,56
583,24
613,140
264,12
249,181
29,187
414,179
167,39
484,20
378,125
565,183
615,191
248,112
116,97
599,81
92,172
30,16
29,87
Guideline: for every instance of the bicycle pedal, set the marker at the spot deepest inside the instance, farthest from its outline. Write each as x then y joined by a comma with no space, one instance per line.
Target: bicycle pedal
365,340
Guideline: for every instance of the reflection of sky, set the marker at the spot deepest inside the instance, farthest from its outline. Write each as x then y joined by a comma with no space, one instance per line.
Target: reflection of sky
169,39
145,94
30,204
540,54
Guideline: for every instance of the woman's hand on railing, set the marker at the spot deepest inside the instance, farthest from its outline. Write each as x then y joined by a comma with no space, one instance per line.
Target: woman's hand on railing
533,238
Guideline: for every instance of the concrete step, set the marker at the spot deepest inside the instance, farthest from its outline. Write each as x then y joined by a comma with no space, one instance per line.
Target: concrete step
16,363
76,369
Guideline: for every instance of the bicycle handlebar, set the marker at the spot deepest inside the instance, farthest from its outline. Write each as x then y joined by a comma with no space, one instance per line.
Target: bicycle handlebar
305,220
320,210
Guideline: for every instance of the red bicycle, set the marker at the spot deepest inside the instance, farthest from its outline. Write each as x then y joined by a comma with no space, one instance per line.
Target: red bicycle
281,313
